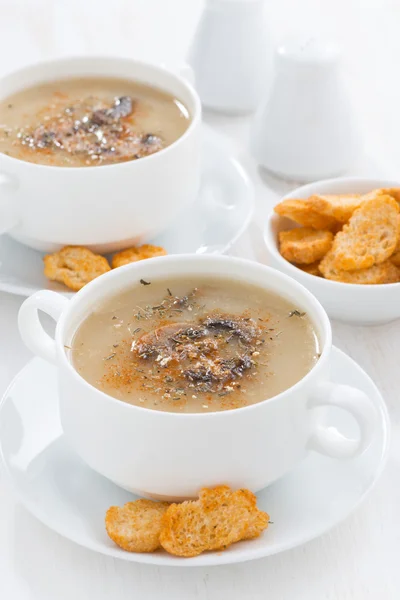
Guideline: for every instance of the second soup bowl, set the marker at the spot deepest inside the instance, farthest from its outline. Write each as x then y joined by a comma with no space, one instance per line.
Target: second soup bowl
104,207
171,455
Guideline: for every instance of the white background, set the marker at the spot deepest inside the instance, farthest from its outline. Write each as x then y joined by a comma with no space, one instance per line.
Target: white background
358,560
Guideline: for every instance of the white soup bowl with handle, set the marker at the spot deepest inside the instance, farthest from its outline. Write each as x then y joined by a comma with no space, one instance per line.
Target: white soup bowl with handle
172,455
106,207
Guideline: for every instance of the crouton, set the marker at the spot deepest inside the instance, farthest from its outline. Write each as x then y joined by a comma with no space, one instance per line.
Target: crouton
216,520
304,245
385,272
136,526
304,213
312,269
338,206
369,238
394,192
74,266
137,253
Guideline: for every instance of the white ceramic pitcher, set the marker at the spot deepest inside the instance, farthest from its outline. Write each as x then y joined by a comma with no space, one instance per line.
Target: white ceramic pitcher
305,129
230,55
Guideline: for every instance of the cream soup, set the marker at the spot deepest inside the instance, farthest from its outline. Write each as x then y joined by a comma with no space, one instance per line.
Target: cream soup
89,122
194,345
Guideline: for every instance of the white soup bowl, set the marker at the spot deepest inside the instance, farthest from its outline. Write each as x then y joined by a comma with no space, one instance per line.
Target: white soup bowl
105,207
172,455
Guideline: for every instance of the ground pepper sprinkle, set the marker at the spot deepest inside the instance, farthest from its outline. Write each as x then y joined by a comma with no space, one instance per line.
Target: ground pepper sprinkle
100,133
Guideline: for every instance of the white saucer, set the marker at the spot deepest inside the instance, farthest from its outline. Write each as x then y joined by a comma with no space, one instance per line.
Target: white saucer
62,492
219,216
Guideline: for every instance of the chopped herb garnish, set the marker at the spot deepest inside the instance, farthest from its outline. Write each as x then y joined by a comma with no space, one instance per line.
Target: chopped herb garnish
136,330
143,282
296,313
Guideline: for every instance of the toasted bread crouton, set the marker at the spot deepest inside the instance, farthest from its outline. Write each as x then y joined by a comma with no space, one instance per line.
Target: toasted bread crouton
338,206
312,269
320,211
74,266
304,213
385,272
304,245
394,192
258,523
217,519
395,258
137,253
136,526
369,238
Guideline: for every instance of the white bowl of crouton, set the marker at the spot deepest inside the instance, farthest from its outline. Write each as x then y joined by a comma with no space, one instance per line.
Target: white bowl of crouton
340,238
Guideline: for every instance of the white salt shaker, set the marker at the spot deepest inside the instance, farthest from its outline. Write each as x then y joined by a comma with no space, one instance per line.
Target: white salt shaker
305,129
230,55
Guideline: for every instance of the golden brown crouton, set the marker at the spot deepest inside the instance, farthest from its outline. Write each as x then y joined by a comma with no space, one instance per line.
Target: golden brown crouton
312,269
369,238
304,245
137,253
258,522
385,272
320,211
304,213
74,266
395,258
338,206
394,192
217,519
136,526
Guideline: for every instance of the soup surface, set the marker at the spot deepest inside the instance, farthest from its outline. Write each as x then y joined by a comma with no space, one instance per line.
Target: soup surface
89,122
194,345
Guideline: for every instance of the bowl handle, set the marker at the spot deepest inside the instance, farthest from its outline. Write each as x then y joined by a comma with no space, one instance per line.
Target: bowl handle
328,440
30,327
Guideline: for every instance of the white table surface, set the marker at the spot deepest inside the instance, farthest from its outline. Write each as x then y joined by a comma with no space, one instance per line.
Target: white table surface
358,560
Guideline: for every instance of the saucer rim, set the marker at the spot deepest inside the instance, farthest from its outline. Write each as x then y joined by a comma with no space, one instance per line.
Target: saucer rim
219,142
211,558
